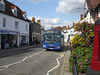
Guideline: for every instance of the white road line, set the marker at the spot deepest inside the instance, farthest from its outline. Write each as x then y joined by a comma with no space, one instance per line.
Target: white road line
55,66
6,66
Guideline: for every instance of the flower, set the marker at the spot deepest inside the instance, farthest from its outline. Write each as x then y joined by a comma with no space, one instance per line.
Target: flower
86,62
72,48
86,59
81,66
83,50
80,63
74,52
83,45
88,40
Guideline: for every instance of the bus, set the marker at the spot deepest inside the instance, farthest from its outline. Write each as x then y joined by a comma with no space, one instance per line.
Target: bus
53,39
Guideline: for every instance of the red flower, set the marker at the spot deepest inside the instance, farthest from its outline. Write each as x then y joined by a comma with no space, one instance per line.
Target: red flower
84,30
72,48
82,47
87,30
83,50
87,45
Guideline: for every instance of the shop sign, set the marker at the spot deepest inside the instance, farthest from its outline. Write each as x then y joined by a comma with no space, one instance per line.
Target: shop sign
9,32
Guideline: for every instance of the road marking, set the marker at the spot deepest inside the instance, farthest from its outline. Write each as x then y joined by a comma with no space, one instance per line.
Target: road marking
7,66
55,66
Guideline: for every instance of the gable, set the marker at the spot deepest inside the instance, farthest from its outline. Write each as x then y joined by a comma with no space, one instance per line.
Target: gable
92,4
9,8
2,2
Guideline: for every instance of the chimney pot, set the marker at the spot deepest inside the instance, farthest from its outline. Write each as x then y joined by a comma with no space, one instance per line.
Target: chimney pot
81,16
38,21
33,19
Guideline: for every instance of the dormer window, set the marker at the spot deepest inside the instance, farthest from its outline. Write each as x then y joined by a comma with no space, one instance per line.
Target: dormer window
24,14
2,5
14,10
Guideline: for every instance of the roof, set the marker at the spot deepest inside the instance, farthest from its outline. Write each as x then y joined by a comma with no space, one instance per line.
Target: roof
8,10
92,4
60,28
23,12
12,7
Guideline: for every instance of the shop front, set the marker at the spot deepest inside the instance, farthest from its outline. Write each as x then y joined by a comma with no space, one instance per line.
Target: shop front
24,40
8,39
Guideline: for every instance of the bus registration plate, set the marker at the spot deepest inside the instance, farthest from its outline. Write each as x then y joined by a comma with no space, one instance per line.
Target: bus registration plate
50,48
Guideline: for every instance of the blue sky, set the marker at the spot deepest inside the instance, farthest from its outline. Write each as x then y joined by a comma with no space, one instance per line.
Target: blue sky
52,12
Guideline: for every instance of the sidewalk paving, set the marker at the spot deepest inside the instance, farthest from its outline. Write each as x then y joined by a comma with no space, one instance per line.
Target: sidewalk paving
4,52
65,69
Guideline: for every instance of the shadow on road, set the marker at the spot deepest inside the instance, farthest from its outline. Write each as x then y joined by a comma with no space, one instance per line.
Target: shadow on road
62,50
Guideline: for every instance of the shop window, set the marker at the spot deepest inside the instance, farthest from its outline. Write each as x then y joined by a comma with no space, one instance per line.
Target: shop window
24,40
4,22
16,25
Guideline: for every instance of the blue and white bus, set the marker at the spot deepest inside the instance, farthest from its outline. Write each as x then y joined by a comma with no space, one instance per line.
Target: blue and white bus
53,39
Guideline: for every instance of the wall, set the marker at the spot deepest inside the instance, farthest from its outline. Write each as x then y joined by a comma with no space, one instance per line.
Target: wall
10,24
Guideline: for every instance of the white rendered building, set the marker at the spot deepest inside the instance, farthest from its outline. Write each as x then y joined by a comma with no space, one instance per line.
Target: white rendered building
14,25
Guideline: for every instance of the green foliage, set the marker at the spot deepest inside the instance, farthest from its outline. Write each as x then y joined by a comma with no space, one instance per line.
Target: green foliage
83,58
82,46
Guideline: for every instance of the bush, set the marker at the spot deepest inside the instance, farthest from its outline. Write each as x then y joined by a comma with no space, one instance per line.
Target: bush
82,46
83,58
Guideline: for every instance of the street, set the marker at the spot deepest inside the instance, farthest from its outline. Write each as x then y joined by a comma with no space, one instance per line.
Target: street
33,61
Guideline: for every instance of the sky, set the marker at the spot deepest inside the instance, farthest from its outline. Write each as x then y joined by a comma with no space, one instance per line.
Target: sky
52,12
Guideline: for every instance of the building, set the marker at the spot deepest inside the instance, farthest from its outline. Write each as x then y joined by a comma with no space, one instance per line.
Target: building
92,9
14,25
35,31
42,30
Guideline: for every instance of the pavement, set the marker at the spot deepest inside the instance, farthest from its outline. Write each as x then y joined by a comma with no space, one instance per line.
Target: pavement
65,67
5,52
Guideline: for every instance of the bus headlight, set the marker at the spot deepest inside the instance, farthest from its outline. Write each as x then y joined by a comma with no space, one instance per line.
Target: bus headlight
44,45
58,47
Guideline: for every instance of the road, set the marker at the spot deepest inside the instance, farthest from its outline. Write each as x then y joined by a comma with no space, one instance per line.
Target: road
33,61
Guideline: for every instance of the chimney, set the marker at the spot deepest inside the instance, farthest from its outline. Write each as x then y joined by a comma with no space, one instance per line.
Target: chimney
68,27
33,19
81,16
38,21
73,23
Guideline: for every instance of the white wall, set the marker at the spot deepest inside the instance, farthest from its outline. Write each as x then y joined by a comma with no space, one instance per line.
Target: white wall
71,31
10,24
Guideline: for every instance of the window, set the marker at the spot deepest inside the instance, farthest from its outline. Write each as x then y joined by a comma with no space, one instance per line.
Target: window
99,12
4,22
25,16
26,27
15,12
16,25
2,7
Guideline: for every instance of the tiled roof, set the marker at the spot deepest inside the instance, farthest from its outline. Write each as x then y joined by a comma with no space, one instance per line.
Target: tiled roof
92,4
23,12
12,7
8,11
60,28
